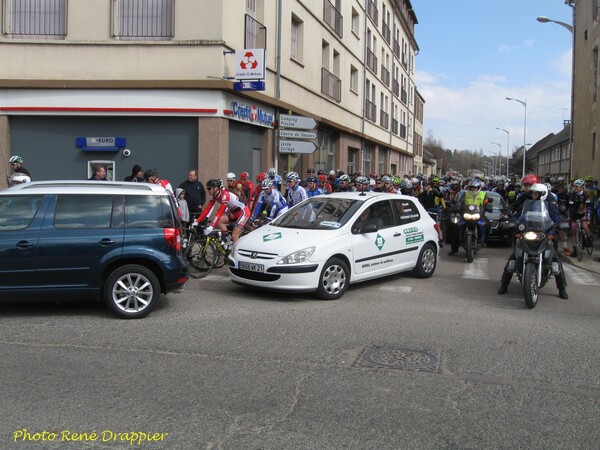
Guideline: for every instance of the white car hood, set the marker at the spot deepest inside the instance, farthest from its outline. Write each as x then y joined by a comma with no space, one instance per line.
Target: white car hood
283,241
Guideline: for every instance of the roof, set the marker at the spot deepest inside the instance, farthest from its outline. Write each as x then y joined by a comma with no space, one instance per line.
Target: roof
539,145
563,136
85,187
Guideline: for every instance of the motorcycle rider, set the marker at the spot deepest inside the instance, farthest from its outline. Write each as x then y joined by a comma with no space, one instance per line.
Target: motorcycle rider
539,192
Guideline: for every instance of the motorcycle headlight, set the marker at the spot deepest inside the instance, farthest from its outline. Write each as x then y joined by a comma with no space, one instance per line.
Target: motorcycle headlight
475,216
531,236
298,256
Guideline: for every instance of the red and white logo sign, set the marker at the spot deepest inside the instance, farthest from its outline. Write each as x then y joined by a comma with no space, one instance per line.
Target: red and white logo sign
250,64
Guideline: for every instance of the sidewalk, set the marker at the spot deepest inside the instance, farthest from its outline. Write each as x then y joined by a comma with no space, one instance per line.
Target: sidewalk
590,263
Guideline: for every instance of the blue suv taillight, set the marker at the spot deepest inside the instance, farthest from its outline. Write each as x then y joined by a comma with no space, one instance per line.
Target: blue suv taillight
173,237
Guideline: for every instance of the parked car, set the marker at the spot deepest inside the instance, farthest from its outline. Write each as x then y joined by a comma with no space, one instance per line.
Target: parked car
502,227
328,242
64,240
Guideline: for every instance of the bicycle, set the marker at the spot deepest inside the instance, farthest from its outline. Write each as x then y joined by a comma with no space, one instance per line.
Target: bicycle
202,252
580,241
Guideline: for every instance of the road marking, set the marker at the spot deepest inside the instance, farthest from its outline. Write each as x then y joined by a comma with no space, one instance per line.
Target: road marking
581,276
400,289
477,270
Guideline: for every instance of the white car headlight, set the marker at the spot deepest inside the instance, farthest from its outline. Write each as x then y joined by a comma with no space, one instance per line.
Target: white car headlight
298,256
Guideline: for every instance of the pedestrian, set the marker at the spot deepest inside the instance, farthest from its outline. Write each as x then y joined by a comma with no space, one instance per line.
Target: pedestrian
195,194
99,173
137,175
183,207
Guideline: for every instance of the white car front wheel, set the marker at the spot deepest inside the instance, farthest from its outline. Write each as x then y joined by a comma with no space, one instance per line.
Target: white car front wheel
334,279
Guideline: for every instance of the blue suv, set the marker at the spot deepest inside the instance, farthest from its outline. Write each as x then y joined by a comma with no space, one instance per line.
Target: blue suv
64,240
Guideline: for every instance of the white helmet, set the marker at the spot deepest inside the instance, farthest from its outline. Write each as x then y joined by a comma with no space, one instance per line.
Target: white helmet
541,188
19,178
230,176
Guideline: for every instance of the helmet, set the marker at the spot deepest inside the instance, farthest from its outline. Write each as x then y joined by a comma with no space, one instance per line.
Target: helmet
512,194
332,173
406,185
530,179
18,178
415,181
345,178
435,179
386,179
311,180
475,183
230,176
588,178
362,180
261,176
214,183
266,183
272,172
311,170
150,173
292,176
15,159
371,182
541,188
579,182
396,181
322,177
321,172
244,176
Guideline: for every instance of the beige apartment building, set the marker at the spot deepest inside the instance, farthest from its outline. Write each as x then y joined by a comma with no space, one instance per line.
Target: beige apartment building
82,81
585,157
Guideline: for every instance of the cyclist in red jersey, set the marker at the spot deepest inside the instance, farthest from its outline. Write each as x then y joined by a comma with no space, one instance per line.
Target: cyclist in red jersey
237,211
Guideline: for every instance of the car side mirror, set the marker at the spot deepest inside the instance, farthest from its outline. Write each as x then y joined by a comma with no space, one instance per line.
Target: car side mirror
370,228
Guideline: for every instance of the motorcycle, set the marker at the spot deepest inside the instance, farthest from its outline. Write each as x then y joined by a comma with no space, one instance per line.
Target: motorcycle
471,230
535,250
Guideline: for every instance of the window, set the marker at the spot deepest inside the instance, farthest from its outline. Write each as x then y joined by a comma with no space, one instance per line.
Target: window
594,74
406,211
16,213
38,19
83,212
144,19
147,212
297,38
353,79
355,22
352,157
366,165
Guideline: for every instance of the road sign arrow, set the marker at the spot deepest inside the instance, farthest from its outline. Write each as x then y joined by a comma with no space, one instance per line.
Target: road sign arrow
293,134
296,147
297,122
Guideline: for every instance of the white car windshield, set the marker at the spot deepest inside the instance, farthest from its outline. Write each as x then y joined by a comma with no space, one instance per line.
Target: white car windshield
319,213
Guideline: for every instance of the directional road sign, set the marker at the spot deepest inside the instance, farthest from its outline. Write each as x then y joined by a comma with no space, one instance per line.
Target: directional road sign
293,134
297,122
296,146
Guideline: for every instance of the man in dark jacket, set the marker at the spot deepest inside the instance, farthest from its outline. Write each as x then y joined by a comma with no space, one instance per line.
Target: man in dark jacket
195,194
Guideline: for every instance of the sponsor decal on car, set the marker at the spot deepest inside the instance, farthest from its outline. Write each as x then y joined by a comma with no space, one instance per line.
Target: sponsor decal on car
271,237
379,241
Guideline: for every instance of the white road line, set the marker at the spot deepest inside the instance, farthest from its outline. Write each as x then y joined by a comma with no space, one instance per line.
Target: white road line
477,270
399,289
581,276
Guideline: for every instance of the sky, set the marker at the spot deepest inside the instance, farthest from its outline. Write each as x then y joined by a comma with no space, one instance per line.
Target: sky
475,53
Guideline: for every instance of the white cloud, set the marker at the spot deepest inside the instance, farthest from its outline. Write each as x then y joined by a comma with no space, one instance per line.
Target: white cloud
564,64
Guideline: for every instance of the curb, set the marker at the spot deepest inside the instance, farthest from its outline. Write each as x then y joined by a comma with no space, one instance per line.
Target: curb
591,263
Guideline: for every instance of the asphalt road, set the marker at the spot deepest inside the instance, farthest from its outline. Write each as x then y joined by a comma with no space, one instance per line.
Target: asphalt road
398,363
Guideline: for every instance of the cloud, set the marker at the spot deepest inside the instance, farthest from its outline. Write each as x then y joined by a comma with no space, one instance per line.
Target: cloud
564,64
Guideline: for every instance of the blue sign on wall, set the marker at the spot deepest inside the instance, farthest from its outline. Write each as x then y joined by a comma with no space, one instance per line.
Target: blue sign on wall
100,144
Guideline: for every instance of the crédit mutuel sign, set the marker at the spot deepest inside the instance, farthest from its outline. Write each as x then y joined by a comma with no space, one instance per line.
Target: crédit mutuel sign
252,114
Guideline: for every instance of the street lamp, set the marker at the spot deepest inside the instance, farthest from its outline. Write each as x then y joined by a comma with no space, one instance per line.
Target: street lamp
544,19
499,168
507,147
524,103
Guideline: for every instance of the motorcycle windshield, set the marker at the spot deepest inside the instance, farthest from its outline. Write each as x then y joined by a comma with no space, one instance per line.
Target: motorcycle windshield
535,216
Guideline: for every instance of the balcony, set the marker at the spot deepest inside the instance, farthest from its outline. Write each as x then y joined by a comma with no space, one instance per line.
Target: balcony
331,85
404,96
256,34
385,76
372,11
387,34
394,126
396,88
371,61
333,18
370,111
384,119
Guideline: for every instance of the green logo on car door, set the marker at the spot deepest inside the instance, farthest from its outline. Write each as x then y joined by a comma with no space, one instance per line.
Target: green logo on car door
379,241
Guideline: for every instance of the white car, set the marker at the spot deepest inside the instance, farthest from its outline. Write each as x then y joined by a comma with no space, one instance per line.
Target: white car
328,242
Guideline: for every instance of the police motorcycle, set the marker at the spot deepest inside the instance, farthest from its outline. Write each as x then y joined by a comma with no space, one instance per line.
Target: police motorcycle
535,249
471,223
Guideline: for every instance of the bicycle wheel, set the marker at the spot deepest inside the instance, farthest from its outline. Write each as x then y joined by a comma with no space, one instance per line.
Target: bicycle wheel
201,256
579,244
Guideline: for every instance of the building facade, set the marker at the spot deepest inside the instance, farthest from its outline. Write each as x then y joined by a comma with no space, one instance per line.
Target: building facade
586,87
83,81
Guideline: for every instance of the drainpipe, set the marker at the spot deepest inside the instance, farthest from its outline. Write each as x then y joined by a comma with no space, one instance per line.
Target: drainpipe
277,81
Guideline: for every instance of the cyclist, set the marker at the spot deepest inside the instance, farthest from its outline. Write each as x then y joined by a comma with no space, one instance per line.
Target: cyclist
344,184
237,211
580,207
257,189
234,187
387,185
270,200
151,176
275,177
16,165
362,184
312,188
324,184
247,187
295,192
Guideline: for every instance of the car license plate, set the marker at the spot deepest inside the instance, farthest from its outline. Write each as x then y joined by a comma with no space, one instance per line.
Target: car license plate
252,267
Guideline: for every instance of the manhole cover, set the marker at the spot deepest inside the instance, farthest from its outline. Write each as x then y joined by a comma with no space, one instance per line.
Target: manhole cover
383,357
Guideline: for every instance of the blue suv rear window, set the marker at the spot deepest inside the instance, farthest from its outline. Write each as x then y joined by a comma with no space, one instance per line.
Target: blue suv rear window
148,212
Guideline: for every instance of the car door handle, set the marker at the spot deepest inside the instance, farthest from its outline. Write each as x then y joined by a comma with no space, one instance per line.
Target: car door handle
397,234
106,242
24,244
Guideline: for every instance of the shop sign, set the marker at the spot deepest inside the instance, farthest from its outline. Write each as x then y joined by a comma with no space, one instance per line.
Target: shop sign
251,113
100,144
250,64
